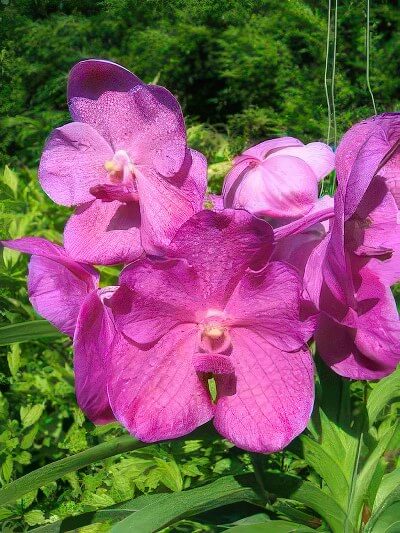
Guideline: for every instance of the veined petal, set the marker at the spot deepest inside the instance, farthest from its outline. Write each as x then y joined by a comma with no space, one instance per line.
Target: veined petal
93,337
72,162
156,392
146,121
165,205
269,400
154,297
57,285
257,305
221,246
104,233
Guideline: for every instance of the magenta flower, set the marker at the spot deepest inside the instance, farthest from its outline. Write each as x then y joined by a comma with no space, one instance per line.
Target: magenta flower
349,273
57,285
279,178
66,293
215,307
124,163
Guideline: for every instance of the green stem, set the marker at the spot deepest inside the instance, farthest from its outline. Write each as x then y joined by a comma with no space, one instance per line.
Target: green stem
257,460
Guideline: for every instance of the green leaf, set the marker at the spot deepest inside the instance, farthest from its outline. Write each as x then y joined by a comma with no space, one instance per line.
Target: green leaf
366,475
10,179
295,488
327,468
383,392
30,414
273,526
386,518
42,476
179,505
14,359
170,474
37,478
388,484
110,515
27,331
7,468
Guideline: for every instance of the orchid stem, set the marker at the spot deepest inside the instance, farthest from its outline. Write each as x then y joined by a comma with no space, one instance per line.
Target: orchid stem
257,460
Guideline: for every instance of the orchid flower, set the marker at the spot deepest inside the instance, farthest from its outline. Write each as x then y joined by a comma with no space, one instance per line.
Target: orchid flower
66,293
123,163
348,275
278,179
214,307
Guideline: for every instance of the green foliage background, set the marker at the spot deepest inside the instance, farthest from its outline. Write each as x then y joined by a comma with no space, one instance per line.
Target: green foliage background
243,70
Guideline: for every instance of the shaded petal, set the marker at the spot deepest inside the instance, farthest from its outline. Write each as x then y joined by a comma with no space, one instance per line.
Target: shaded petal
280,187
164,208
57,285
72,162
318,156
104,233
257,305
262,150
156,393
296,249
362,138
144,120
154,297
92,341
271,398
93,77
313,276
221,246
373,230
193,176
233,180
336,345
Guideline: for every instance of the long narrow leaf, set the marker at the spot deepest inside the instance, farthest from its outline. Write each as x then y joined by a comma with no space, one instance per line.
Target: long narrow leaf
15,490
27,331
180,505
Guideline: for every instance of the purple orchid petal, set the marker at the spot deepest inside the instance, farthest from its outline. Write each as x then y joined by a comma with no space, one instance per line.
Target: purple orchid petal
221,246
257,306
322,210
296,249
93,77
269,188
336,345
92,341
144,121
269,400
214,363
165,205
154,297
262,150
155,392
318,156
104,233
73,162
57,285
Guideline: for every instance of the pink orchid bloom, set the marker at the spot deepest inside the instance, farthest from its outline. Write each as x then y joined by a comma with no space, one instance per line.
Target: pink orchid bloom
124,163
66,293
278,178
214,307
368,160
346,276
57,285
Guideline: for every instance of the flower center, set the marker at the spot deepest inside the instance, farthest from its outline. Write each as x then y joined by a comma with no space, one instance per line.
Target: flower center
120,168
214,331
